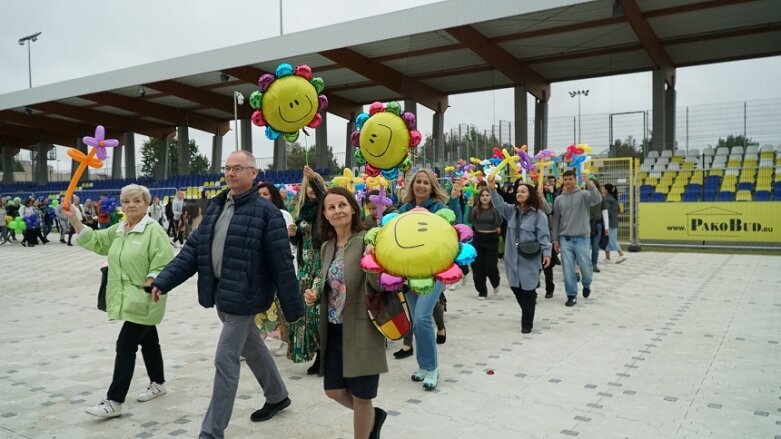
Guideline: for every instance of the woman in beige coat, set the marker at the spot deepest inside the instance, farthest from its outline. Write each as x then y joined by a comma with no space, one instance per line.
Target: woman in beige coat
352,349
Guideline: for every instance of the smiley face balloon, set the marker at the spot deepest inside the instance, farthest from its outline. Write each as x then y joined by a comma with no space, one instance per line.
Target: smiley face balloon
288,101
384,137
418,248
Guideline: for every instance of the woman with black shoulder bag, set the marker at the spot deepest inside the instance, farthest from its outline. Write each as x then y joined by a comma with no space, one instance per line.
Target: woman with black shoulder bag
527,247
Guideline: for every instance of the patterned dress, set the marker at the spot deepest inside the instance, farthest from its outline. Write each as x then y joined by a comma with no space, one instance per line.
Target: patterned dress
304,334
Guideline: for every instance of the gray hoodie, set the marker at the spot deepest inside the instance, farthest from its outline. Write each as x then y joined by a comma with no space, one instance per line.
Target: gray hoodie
571,212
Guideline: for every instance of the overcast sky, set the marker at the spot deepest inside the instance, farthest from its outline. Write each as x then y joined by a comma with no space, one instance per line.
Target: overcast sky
85,37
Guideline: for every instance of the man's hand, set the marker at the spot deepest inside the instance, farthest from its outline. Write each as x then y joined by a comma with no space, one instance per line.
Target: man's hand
156,293
556,247
545,261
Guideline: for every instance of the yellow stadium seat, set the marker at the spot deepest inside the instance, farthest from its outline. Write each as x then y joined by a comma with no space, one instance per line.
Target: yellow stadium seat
734,164
675,190
767,155
743,196
662,189
673,197
688,165
750,163
718,172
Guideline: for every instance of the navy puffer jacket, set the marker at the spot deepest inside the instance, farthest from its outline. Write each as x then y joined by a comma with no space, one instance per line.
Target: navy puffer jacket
256,261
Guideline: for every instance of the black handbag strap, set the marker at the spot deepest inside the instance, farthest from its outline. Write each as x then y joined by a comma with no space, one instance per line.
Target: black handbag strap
518,224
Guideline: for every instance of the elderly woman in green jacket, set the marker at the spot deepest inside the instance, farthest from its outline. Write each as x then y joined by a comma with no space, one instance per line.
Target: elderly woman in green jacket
137,250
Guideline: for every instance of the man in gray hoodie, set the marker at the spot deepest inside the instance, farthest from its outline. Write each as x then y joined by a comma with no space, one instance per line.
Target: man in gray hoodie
571,233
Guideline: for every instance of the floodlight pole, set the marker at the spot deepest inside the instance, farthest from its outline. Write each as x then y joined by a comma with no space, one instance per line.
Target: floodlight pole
29,39
579,93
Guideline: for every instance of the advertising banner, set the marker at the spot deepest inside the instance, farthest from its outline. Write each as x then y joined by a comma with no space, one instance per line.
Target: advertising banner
703,221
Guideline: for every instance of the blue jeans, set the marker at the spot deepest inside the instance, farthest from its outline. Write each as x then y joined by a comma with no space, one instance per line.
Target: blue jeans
421,308
595,243
575,249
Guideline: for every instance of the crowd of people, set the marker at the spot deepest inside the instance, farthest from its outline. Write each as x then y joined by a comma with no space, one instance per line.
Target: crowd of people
273,262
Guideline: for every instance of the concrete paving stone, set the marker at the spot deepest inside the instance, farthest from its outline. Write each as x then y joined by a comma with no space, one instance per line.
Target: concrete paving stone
69,353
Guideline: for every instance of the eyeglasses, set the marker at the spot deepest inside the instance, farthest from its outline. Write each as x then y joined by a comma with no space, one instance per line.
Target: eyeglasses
235,169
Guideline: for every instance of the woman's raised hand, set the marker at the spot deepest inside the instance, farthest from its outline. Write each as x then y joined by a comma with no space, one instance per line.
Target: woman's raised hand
310,297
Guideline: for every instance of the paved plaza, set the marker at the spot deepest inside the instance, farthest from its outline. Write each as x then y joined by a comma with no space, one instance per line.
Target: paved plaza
669,345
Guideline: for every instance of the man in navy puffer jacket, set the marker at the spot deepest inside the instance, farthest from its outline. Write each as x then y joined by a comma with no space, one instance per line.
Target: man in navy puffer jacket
241,253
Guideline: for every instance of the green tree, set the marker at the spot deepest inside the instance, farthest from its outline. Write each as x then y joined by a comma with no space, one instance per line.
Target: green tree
17,165
739,140
297,157
150,152
626,148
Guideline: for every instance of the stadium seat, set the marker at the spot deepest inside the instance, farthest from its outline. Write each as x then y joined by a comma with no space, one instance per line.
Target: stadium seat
743,196
653,154
673,197
722,150
726,196
762,196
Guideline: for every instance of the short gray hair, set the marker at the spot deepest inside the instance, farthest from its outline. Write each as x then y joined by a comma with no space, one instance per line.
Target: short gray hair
134,190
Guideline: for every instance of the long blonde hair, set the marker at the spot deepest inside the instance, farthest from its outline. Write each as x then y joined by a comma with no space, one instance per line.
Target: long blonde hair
437,193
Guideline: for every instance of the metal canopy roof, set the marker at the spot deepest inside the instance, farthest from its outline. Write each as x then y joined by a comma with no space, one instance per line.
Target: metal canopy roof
425,53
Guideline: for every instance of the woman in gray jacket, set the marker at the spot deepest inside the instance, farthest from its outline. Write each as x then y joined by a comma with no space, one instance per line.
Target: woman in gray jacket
527,246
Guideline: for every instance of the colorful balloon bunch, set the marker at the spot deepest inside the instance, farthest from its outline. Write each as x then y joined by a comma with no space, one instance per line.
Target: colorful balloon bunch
288,101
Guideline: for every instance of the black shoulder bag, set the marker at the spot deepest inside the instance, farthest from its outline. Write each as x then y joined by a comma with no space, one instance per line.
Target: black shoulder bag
526,249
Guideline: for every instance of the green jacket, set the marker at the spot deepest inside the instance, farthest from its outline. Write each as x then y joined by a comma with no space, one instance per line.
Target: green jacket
132,257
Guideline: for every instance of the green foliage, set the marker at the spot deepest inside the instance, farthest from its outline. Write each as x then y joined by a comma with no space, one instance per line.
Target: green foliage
297,157
626,148
739,140
470,143
17,166
150,151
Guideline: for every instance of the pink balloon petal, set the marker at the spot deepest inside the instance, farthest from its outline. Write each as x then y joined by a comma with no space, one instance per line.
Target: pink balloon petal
376,107
465,233
451,275
369,263
390,282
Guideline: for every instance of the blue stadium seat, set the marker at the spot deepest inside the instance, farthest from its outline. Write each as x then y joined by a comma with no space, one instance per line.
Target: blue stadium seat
744,186
726,196
762,196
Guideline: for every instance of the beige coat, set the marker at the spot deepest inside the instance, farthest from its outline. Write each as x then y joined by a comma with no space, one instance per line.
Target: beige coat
363,346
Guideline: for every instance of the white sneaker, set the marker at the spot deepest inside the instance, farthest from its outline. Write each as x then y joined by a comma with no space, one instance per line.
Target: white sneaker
496,290
106,409
153,390
452,287
281,350
480,298
463,281
621,259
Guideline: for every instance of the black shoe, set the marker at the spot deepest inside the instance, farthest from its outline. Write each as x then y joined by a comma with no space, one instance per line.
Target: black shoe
571,301
269,410
441,339
549,295
402,353
526,330
586,292
62,241
379,419
69,244
596,269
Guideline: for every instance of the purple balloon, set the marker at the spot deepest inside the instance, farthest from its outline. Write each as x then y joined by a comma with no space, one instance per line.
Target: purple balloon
322,103
355,138
409,119
265,80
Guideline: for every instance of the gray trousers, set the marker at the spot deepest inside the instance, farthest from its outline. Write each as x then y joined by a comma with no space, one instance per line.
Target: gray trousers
239,335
